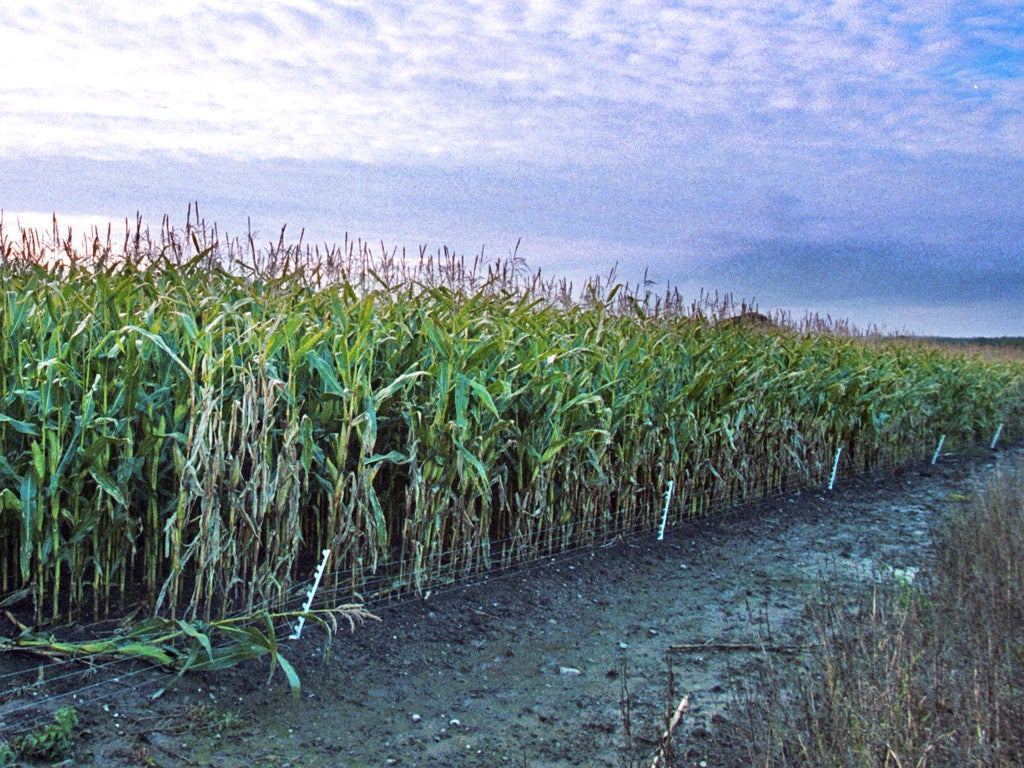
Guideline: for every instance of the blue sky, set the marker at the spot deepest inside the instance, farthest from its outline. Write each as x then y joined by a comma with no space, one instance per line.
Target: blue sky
861,158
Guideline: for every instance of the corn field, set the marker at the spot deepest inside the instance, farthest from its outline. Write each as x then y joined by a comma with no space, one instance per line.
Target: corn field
187,425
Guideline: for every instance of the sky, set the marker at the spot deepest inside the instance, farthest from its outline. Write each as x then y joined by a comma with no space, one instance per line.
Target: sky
857,158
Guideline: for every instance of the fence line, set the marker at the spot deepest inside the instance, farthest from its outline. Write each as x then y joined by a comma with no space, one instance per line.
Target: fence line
117,675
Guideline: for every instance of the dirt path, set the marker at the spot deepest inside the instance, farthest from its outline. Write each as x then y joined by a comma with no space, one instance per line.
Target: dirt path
529,668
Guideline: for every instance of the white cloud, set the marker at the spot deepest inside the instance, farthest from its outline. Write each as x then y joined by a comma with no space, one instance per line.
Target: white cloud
540,82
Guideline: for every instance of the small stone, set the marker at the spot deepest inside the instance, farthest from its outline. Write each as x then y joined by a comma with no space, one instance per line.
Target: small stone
569,671
454,722
416,718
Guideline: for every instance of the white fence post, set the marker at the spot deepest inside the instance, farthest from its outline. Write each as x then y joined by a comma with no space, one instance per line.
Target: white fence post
309,595
835,468
664,515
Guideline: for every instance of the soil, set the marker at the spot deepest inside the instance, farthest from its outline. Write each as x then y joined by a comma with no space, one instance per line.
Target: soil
565,663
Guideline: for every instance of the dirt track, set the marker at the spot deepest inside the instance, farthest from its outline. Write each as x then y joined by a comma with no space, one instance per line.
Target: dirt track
530,668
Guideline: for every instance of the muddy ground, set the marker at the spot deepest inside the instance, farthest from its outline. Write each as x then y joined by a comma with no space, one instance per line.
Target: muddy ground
545,666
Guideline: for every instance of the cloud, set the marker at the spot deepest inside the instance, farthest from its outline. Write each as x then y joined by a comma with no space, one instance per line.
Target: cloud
553,82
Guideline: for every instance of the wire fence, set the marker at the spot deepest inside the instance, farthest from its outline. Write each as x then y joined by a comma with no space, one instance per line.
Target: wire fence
33,687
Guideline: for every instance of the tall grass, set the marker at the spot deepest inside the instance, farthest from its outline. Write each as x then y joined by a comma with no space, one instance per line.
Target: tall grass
189,423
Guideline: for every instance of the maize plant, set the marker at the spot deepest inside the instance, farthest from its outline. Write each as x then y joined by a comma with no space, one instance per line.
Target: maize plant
186,426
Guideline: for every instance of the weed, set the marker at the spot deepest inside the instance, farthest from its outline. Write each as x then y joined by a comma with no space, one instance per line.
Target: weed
201,717
50,742
7,755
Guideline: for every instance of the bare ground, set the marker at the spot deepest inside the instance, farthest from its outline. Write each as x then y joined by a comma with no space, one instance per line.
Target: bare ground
561,664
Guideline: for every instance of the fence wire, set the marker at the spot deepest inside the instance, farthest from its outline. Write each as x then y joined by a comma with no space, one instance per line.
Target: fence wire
32,690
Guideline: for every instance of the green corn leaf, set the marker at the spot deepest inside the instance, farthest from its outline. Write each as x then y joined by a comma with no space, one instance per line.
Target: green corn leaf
38,459
387,392
31,523
146,652
394,457
292,676
104,481
485,396
200,637
161,344
479,471
9,501
23,427
328,376
461,402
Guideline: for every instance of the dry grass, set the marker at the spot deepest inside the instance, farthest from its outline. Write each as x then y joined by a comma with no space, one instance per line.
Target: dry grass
1006,348
922,674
